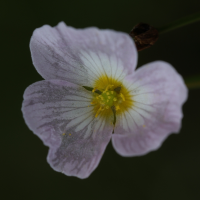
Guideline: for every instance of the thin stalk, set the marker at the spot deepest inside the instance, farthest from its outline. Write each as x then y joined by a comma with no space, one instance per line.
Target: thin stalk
179,23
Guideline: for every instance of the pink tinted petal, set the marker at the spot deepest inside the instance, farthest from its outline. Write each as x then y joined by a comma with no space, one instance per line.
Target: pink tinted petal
159,93
78,55
58,113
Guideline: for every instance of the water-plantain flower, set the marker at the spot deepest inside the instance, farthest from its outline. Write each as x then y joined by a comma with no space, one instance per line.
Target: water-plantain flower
92,93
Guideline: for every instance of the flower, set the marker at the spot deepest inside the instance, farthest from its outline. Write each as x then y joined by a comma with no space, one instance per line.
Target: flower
92,94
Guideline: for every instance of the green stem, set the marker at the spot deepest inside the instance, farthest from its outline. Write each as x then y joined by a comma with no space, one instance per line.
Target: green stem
179,23
193,82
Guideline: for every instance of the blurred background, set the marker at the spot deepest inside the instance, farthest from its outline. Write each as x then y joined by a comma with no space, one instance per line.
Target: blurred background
172,172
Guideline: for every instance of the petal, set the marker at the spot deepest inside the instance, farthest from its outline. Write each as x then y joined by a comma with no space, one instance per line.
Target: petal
81,55
58,112
158,93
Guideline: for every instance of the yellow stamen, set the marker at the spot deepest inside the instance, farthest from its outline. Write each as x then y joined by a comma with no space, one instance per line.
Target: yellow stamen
122,96
98,111
121,99
117,107
108,87
95,88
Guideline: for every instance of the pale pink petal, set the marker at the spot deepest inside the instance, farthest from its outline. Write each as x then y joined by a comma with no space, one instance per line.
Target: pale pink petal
58,112
159,93
80,56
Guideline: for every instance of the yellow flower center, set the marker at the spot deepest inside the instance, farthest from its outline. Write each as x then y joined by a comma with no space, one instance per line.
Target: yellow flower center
110,95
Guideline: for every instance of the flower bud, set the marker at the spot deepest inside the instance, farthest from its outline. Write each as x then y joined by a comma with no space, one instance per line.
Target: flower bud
144,35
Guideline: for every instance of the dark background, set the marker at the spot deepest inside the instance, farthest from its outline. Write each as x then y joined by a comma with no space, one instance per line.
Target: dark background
172,172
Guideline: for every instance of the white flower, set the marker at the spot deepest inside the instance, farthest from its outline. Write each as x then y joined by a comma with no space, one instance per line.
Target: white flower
91,91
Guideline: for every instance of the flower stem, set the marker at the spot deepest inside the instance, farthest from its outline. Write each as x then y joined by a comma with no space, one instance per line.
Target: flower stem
193,82
179,23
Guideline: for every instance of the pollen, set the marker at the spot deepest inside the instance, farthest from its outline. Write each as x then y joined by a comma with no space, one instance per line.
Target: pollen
110,98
